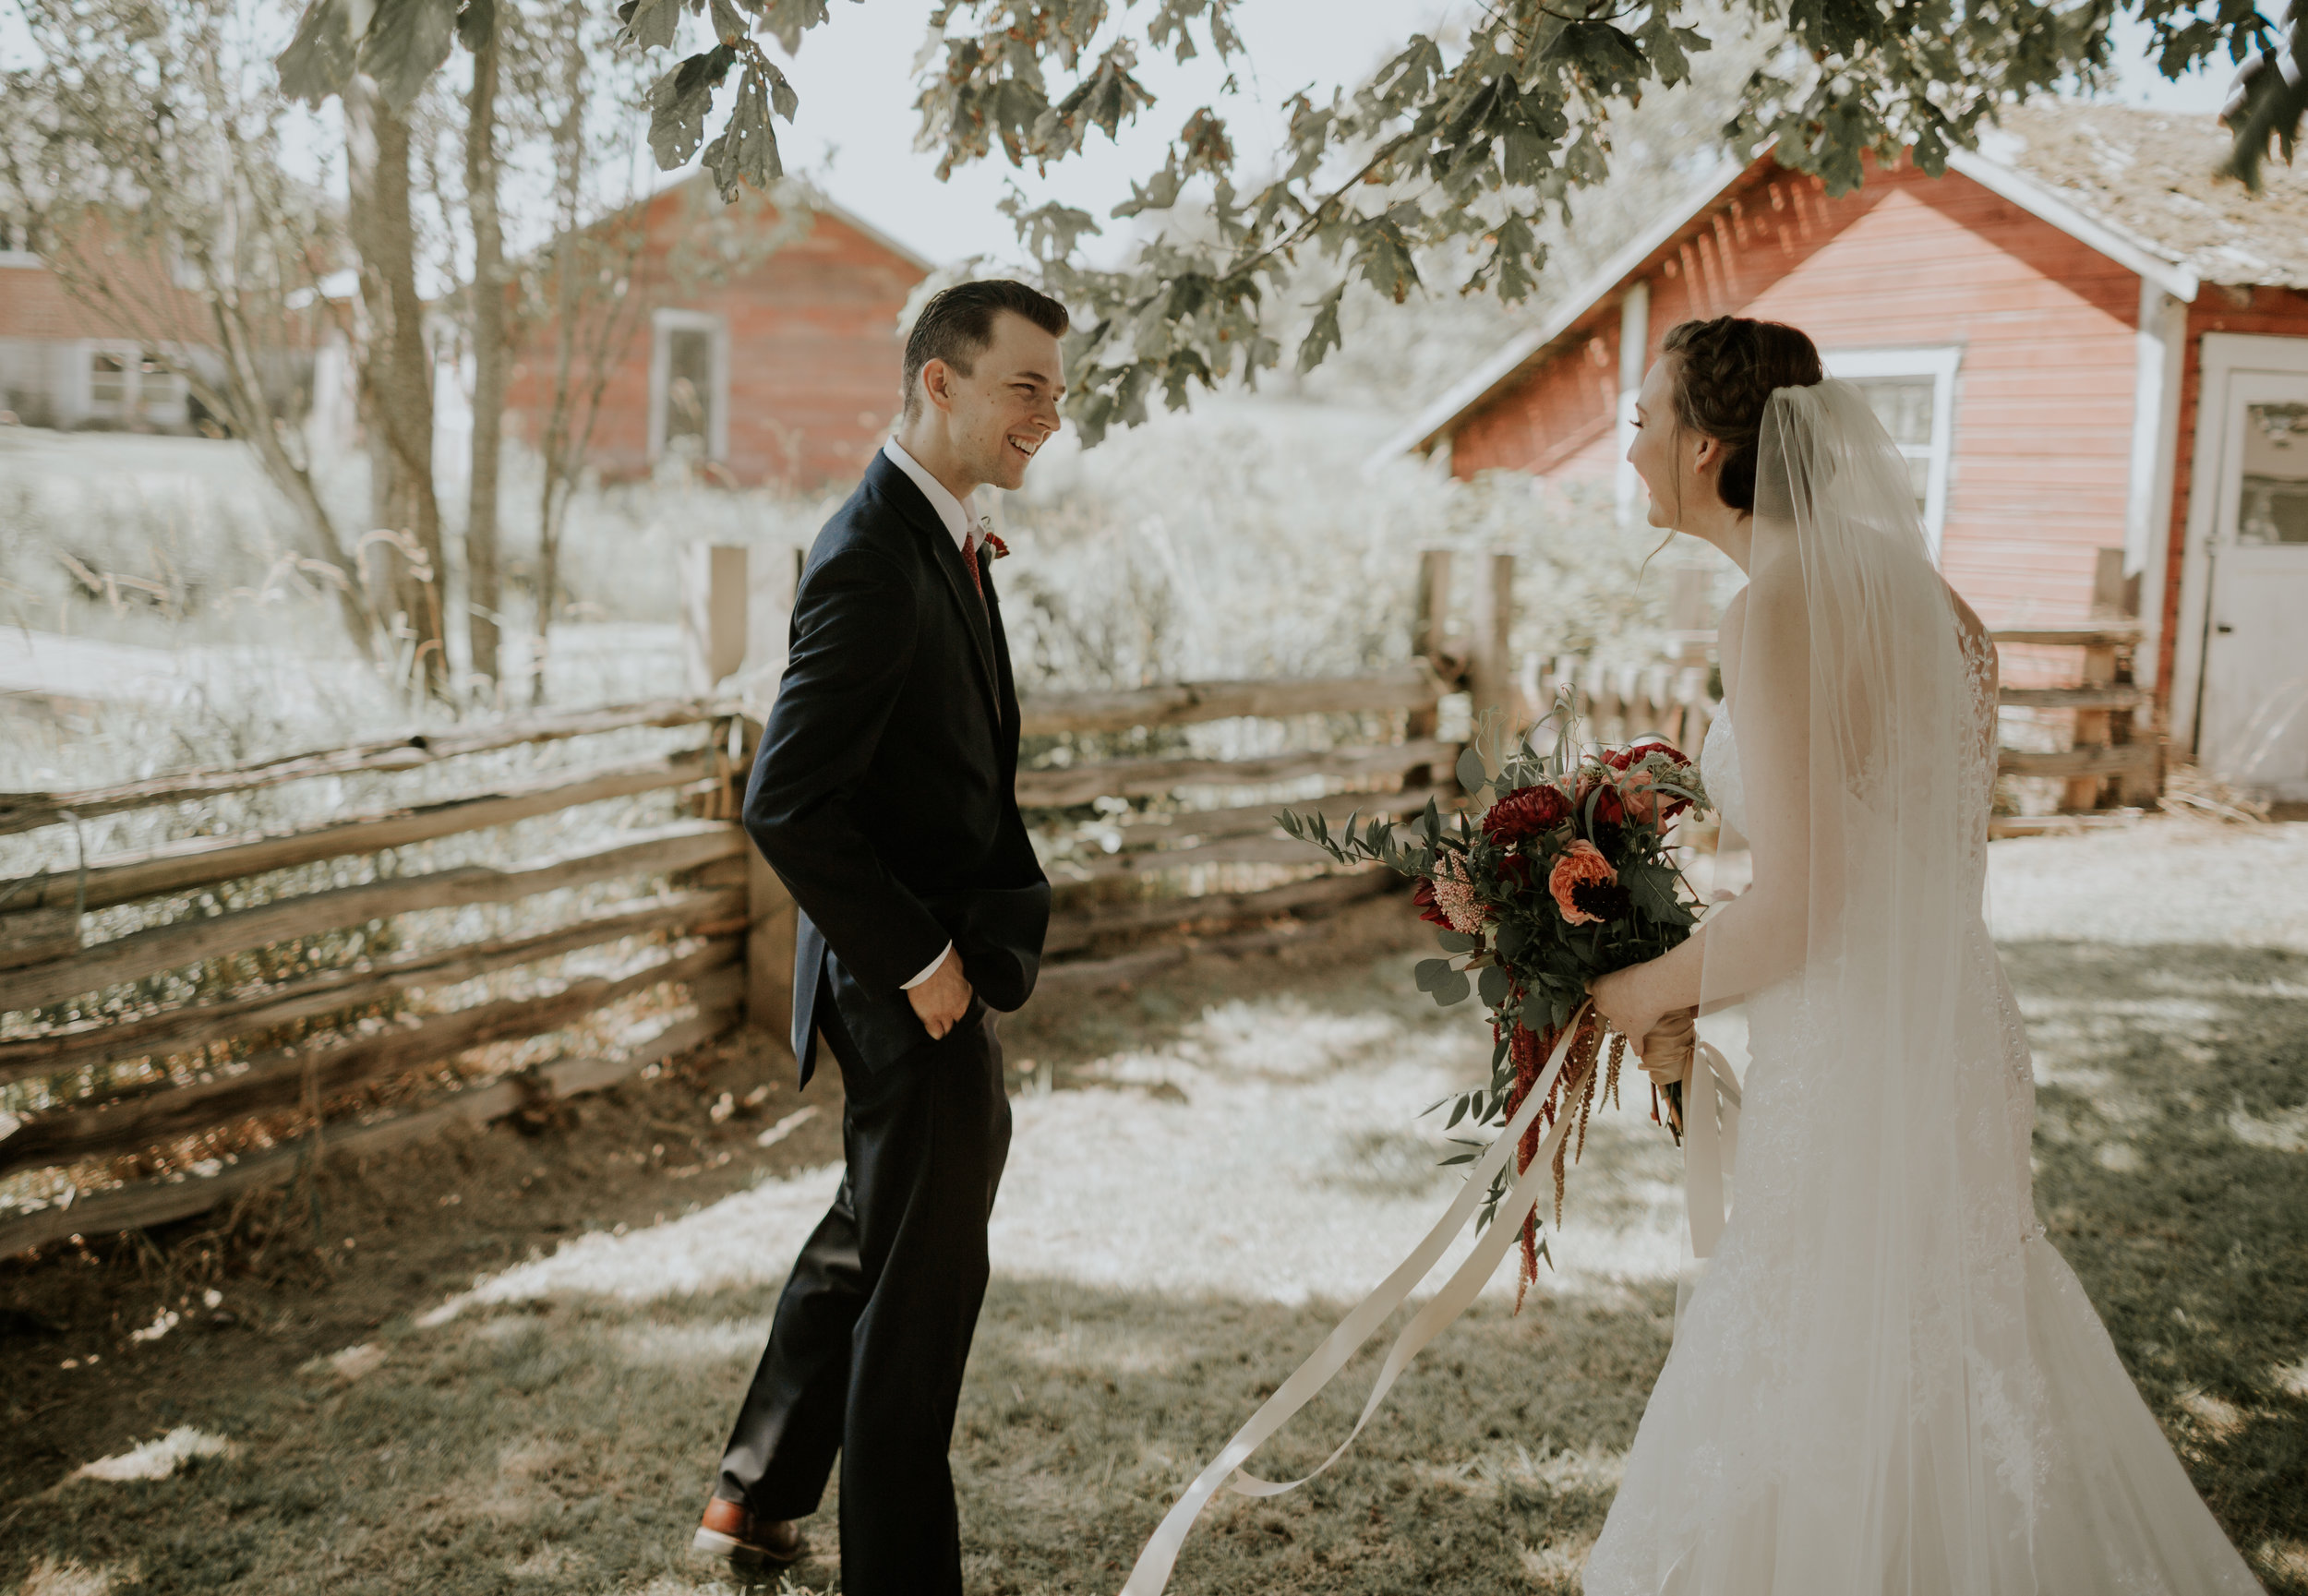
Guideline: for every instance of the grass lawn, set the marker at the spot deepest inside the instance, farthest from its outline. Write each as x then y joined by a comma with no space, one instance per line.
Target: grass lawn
557,1431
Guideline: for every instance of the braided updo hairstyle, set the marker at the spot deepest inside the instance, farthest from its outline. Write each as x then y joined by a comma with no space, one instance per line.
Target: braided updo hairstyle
1724,373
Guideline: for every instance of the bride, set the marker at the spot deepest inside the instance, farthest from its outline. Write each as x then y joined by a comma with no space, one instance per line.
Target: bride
1886,1380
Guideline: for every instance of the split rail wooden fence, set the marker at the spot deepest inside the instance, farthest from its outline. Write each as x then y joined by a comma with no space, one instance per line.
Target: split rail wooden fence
211,1054
207,1055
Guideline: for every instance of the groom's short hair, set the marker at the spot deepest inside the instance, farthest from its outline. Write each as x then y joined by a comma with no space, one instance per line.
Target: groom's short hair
957,324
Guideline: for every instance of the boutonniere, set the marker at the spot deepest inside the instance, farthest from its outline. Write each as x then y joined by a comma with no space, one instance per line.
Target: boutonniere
993,540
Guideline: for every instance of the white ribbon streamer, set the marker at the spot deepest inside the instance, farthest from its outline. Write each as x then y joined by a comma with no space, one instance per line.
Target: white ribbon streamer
1711,1144
1152,1572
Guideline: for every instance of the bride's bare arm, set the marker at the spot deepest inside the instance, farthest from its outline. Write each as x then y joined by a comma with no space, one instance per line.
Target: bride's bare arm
1761,936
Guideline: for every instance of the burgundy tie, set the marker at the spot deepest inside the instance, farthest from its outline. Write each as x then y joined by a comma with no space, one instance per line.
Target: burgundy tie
969,557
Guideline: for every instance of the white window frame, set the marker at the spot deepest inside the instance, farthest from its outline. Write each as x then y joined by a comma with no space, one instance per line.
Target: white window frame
170,407
1941,364
663,323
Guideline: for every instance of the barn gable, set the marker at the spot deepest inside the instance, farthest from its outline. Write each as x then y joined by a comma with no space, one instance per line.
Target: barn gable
2029,325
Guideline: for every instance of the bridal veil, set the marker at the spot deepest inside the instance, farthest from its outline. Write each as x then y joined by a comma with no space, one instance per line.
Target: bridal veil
1886,1380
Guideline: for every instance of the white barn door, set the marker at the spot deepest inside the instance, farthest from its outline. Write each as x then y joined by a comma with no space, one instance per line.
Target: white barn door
2251,708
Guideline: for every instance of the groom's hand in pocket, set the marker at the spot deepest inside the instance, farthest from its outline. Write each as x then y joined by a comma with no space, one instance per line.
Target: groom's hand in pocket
942,1000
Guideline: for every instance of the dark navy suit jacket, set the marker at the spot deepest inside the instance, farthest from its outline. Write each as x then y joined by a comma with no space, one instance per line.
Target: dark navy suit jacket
884,795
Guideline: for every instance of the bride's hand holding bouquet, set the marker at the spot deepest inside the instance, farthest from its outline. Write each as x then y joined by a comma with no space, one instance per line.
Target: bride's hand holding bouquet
1549,893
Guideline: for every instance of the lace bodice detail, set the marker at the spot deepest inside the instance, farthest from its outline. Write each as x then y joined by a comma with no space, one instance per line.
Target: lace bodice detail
1719,769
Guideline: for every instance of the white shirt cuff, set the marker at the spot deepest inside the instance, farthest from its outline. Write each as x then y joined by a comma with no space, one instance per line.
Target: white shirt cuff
928,971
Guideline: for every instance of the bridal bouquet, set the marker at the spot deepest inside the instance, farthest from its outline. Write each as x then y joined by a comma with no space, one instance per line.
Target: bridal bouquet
1556,872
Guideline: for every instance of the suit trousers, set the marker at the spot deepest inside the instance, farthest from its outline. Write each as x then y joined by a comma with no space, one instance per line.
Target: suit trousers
866,1349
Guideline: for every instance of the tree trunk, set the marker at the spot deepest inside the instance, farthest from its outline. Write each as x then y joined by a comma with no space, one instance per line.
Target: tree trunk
396,382
560,469
491,353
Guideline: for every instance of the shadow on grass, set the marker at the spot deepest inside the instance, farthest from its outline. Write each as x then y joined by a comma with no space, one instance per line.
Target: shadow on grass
567,1446
2171,1169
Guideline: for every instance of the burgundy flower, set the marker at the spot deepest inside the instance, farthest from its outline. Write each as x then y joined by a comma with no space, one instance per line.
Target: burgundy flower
1623,758
993,540
1525,813
1424,898
1608,808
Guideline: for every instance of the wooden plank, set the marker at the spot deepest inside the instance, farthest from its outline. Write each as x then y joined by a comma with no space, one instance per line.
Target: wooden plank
1269,847
181,1196
2098,633
1174,828
1142,777
140,955
103,1042
1102,975
26,810
1408,687
2119,760
203,861
2107,697
35,935
280,1080
2051,825
1073,929
1244,835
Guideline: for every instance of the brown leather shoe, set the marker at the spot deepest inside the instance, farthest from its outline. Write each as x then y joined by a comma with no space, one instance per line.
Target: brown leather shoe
732,1534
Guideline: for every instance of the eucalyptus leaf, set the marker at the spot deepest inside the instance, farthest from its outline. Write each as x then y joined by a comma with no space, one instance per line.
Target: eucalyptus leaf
1494,982
1471,774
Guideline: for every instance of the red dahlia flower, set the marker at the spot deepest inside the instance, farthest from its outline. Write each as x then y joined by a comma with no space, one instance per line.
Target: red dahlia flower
1623,758
1525,813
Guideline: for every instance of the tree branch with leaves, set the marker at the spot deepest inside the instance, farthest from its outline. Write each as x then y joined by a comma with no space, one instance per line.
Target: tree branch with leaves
1455,151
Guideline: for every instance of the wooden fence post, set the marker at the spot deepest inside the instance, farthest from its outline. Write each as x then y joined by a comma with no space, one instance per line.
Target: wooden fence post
1430,620
1490,667
769,930
713,612
2095,727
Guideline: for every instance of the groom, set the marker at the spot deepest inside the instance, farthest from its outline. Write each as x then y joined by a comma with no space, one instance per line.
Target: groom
883,797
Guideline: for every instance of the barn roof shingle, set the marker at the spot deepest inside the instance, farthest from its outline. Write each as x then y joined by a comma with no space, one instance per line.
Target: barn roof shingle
2148,175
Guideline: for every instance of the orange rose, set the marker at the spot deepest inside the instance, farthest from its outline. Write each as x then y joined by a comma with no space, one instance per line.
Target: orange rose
1581,864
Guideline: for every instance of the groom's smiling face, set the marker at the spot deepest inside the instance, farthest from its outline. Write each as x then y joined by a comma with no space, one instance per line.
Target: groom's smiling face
1001,412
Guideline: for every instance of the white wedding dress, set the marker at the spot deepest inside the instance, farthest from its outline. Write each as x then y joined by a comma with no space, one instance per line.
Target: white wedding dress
1885,1379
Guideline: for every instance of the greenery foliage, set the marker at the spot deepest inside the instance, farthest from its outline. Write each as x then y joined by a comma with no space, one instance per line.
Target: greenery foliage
1467,142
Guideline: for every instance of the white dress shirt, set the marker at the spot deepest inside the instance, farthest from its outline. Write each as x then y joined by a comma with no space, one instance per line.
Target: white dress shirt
960,516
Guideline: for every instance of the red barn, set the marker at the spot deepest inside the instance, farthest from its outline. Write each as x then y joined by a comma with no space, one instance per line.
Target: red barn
64,365
768,347
2079,338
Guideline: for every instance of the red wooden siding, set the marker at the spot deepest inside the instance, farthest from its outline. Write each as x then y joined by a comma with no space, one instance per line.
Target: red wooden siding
814,353
2042,423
